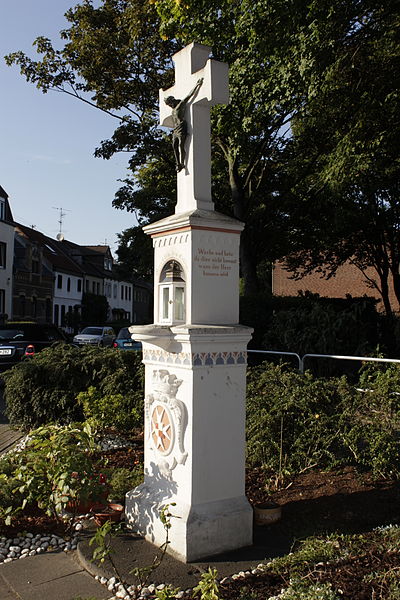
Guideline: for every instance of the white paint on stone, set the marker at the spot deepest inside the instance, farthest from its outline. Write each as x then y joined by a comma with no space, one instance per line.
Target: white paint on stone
195,366
191,64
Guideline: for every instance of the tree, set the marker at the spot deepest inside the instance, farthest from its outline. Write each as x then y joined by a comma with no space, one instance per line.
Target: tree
115,59
284,56
94,309
135,254
344,197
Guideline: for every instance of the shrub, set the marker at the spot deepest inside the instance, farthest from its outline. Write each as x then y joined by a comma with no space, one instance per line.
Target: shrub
44,389
122,480
111,410
292,418
297,421
54,468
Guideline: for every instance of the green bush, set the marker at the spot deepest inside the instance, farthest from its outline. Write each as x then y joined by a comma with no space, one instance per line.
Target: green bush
44,389
122,480
111,410
292,419
297,421
55,467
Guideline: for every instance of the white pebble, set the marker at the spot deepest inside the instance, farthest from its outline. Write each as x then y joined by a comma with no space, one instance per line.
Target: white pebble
103,580
132,589
161,586
7,560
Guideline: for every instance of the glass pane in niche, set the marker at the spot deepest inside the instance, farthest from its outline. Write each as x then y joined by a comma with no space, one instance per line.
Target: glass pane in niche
179,303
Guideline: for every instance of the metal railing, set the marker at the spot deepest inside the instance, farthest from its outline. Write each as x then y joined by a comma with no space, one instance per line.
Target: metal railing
301,360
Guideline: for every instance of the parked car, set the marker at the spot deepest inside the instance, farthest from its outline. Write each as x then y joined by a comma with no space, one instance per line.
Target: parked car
24,340
124,341
99,336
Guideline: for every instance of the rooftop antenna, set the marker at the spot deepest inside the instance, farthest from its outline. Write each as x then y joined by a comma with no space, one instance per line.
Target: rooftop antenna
60,235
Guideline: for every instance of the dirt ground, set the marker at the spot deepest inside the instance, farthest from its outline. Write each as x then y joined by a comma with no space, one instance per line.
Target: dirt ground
313,503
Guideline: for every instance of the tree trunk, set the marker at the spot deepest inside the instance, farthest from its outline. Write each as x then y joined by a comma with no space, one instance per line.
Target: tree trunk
384,277
247,263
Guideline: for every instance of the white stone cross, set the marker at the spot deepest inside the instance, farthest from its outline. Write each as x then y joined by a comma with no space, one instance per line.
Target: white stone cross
192,65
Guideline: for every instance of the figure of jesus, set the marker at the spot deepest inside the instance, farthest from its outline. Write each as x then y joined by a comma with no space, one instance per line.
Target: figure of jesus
179,132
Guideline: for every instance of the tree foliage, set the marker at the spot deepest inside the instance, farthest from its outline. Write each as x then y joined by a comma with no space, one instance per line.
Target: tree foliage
311,120
344,158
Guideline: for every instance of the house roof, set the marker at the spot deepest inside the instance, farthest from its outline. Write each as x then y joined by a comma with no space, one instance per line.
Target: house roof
51,250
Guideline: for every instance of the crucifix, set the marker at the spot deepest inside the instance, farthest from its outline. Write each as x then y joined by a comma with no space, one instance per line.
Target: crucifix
200,83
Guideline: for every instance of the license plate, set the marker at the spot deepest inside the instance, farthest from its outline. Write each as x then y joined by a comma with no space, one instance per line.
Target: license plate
5,351
130,344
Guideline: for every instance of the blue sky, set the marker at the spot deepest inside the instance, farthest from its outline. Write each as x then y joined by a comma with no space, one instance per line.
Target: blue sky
47,141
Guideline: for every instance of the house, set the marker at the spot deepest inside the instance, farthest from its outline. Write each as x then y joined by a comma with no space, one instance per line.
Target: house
142,302
348,281
6,255
101,278
33,280
61,277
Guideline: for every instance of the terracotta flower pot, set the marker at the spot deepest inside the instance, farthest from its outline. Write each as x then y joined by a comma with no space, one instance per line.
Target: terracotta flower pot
107,512
267,513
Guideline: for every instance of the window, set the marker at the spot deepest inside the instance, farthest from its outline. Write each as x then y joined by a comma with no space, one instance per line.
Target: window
68,284
35,266
62,315
2,301
2,209
98,288
172,294
79,285
59,282
93,287
87,285
34,306
22,303
122,292
115,290
129,293
56,314
3,255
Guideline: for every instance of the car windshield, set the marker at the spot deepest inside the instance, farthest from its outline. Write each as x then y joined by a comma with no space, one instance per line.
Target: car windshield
92,331
31,333
11,334
124,334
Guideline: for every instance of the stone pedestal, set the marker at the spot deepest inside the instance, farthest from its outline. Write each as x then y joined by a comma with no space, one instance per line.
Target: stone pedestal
195,440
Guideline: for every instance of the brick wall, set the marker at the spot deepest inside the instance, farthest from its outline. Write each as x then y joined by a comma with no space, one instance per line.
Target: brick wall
348,280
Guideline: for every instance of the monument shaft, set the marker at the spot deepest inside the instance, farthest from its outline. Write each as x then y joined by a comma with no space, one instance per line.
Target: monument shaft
195,361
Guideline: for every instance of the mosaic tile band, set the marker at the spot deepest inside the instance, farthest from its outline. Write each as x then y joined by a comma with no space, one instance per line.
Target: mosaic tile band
195,359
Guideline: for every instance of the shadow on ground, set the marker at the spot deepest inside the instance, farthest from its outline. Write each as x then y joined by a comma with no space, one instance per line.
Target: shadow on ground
345,513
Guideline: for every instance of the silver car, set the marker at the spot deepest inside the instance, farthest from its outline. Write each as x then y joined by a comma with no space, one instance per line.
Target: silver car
96,336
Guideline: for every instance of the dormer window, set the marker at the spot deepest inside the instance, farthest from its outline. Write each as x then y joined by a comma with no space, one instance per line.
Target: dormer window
107,264
172,294
2,209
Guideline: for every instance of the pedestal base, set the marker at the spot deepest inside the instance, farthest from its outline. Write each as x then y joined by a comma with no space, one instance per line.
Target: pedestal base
197,531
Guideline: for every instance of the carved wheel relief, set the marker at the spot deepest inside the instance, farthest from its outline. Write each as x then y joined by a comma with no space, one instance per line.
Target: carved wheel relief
166,419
